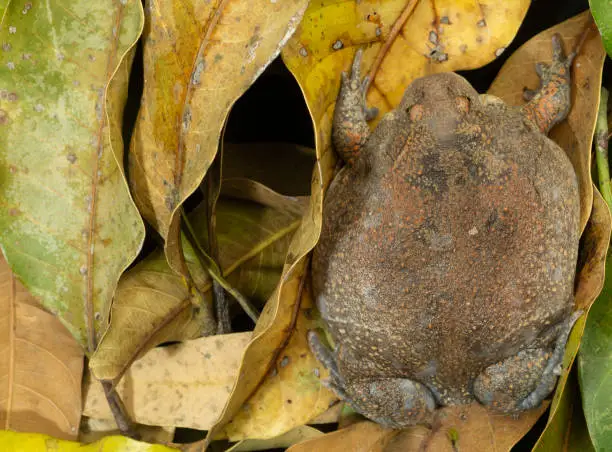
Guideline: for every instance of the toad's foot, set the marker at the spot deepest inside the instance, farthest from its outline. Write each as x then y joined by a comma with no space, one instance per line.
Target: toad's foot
350,128
523,381
392,402
550,103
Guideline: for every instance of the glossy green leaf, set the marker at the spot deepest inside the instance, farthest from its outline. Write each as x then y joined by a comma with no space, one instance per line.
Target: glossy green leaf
595,366
68,226
35,442
602,13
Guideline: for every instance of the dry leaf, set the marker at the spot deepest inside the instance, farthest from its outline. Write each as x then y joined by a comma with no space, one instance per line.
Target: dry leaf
199,57
575,134
468,427
153,302
183,385
364,436
68,226
40,365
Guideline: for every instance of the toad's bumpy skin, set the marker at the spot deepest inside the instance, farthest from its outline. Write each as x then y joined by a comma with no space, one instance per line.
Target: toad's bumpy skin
448,250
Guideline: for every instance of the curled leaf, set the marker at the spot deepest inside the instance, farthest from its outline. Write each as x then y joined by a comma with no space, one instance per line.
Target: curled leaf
199,57
153,302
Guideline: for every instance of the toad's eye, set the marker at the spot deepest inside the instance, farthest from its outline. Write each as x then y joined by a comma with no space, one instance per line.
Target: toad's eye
415,113
463,104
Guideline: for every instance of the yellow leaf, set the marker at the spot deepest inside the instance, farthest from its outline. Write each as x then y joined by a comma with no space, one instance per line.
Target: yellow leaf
183,385
40,365
199,57
36,442
291,394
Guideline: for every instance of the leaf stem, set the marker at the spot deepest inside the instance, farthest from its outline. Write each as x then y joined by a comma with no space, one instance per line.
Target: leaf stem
117,407
601,148
215,272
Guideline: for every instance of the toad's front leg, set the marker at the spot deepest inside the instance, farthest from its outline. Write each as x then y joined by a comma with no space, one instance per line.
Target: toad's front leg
392,402
350,128
550,103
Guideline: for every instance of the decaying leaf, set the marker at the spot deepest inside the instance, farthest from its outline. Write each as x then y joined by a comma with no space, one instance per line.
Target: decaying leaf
199,57
40,366
153,302
68,226
36,442
470,427
183,385
575,134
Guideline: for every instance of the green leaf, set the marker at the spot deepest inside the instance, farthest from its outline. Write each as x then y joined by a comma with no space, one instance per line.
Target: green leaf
36,442
602,13
68,226
595,366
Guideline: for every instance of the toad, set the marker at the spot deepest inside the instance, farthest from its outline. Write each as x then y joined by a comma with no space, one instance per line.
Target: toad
446,262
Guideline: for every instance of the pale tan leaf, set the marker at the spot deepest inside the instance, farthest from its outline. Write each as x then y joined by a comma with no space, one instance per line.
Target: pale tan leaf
184,385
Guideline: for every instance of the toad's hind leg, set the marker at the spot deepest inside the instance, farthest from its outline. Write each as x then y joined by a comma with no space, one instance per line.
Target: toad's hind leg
392,402
550,103
523,381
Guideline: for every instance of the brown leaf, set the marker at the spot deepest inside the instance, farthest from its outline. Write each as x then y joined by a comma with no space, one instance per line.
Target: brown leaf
183,385
575,134
199,57
468,427
40,365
